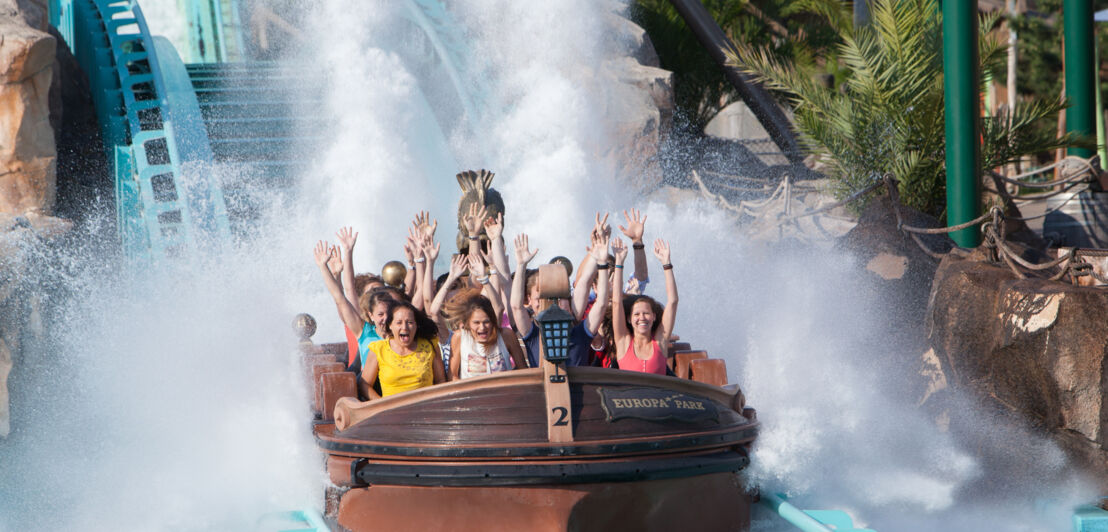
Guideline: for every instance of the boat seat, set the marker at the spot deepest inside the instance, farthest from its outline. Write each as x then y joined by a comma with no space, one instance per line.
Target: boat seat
682,359
709,371
680,346
319,370
332,386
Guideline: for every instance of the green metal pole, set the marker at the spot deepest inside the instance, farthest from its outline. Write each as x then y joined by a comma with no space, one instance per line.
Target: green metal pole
1101,146
1080,78
963,119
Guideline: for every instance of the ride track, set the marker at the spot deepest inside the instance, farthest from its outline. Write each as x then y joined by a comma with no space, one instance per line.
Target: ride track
189,145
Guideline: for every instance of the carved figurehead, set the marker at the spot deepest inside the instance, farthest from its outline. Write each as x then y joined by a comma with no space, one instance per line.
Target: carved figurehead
476,188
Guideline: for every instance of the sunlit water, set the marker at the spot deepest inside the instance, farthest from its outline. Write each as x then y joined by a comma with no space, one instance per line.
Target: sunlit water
171,400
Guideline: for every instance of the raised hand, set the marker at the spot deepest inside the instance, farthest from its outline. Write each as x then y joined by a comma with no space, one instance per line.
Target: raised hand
601,226
619,249
347,237
430,249
494,227
410,248
599,248
473,218
322,253
523,253
424,224
335,262
636,224
476,266
661,250
458,266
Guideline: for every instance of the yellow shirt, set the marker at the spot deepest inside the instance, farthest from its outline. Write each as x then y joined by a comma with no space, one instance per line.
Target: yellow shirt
400,373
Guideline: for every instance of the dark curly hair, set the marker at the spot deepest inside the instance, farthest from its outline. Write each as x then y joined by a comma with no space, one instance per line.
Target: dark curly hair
425,328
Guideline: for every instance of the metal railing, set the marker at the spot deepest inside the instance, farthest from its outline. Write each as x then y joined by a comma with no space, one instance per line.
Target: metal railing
113,44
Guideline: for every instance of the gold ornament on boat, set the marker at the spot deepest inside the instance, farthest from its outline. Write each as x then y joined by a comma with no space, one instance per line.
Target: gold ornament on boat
393,273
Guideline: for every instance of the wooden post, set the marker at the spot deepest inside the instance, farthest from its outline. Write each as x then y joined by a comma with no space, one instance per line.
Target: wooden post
559,407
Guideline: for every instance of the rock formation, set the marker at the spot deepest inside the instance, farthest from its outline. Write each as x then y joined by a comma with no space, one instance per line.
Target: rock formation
642,107
27,152
27,175
1034,347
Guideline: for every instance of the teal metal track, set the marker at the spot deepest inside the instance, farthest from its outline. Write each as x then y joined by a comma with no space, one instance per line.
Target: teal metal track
145,121
196,149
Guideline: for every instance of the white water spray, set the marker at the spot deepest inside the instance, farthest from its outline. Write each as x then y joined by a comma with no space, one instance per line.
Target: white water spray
174,402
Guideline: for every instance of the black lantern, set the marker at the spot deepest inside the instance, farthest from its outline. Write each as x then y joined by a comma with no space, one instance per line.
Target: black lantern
556,325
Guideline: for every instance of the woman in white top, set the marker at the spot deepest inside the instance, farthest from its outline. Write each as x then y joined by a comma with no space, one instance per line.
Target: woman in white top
479,346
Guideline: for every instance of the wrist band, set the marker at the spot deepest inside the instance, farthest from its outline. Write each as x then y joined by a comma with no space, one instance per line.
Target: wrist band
640,245
620,266
492,271
483,280
421,260
602,266
475,238
667,266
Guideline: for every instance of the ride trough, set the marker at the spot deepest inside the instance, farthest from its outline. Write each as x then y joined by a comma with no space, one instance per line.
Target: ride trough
547,448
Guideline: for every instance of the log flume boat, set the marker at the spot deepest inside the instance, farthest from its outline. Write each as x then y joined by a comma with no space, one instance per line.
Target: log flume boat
549,448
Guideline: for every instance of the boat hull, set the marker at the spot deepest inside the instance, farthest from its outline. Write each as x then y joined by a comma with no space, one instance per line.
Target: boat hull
713,502
648,452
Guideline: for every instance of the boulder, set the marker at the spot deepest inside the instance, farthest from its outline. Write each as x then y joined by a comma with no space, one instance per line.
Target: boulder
27,150
899,272
640,105
21,237
1034,347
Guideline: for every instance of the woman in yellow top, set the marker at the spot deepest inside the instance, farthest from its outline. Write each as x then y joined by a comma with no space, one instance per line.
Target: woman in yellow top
407,358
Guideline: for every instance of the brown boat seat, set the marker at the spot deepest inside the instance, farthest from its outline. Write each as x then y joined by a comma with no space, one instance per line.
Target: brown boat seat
332,386
680,346
317,371
681,360
709,371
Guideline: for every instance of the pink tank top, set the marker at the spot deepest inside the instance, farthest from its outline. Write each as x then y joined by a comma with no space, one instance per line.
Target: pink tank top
655,364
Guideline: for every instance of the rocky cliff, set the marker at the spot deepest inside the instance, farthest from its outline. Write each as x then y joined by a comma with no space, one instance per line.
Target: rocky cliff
1034,347
27,174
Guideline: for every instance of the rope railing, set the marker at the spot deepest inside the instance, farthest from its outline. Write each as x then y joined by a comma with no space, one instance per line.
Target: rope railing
1086,170
1069,263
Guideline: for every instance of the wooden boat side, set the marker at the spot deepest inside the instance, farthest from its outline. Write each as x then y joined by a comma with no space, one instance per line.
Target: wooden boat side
349,411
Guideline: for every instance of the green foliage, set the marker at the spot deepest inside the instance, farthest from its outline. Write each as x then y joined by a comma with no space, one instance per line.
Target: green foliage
886,118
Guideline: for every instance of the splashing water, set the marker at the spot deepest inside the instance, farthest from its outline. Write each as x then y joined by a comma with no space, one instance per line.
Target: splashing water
171,401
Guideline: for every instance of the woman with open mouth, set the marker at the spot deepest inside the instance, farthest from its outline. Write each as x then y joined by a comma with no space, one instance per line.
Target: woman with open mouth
408,357
480,346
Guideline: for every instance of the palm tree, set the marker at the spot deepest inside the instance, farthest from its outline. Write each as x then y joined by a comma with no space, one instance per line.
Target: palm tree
886,118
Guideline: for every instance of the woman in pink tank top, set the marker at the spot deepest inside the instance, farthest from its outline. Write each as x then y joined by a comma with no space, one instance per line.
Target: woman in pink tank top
641,326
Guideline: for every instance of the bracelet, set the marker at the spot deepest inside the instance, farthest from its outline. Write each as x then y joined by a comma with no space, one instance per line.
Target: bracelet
475,238
620,266
602,266
483,280
421,260
640,245
492,271
667,266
